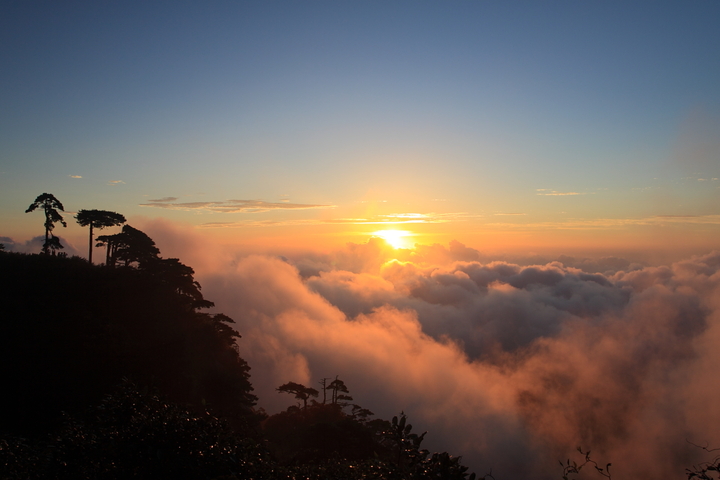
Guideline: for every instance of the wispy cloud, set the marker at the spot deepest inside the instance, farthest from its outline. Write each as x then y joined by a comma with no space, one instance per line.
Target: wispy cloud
431,217
599,223
261,223
115,182
555,193
164,199
231,206
392,219
75,176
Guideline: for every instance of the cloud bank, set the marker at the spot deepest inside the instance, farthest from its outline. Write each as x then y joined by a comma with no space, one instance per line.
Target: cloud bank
513,366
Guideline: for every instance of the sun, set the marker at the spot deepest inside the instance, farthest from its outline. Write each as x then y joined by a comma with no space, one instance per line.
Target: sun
395,238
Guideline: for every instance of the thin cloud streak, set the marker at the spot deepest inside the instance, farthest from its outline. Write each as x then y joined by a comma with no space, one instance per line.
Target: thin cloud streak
232,206
391,219
433,218
560,194
581,224
164,200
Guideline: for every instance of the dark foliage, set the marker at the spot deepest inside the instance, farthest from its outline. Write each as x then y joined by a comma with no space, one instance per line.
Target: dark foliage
50,206
300,391
98,219
52,245
709,470
130,246
416,463
322,437
319,432
70,331
339,389
179,277
573,468
132,434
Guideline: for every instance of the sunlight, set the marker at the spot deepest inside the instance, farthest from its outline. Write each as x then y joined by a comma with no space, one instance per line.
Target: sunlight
395,238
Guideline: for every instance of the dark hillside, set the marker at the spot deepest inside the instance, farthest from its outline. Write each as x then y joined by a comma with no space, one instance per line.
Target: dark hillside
108,372
70,331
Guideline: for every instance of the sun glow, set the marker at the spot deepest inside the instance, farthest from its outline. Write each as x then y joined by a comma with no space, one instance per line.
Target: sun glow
395,238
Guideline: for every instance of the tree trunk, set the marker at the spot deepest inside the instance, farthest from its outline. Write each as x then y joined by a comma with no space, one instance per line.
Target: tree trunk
91,245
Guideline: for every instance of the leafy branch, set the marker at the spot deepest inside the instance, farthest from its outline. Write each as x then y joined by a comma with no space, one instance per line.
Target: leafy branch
573,468
706,470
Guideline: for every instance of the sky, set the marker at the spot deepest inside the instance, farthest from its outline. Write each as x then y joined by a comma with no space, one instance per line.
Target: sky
499,217
504,125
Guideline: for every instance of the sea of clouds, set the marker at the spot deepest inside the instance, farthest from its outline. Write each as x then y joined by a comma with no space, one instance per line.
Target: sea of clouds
511,365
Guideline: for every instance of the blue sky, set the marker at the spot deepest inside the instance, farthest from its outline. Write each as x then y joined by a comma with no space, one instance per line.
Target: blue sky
479,108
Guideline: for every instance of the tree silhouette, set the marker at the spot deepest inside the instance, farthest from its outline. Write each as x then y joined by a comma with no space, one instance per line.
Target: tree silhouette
300,391
180,277
573,468
339,388
130,245
415,462
360,414
53,245
98,219
50,206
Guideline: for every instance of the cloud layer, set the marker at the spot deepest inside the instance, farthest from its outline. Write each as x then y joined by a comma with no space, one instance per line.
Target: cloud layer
512,366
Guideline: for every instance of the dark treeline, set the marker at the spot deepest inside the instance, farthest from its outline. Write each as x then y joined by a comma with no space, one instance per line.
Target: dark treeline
71,331
115,371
